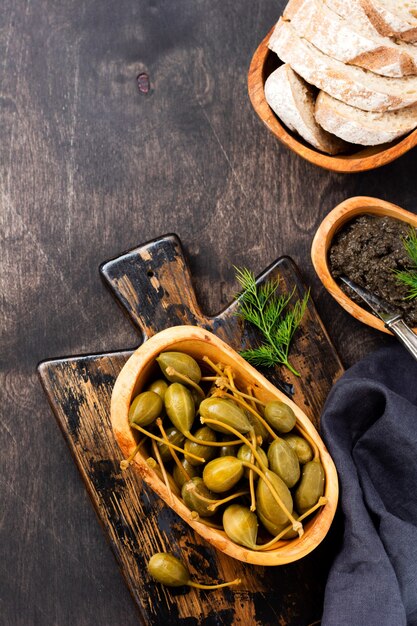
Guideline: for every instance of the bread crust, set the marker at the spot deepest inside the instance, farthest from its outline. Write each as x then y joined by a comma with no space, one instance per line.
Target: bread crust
389,24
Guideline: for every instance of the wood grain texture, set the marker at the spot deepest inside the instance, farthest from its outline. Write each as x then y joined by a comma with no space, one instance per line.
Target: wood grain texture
263,63
153,283
91,166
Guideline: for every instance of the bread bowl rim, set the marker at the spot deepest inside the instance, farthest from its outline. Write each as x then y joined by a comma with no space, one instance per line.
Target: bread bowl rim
366,158
128,383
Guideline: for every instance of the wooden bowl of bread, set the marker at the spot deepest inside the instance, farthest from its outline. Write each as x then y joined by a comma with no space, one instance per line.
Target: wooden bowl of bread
336,81
197,343
339,217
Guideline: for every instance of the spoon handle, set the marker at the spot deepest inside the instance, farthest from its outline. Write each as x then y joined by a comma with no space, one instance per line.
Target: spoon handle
404,333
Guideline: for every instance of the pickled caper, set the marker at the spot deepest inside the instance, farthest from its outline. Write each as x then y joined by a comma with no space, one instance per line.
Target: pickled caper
266,503
190,470
170,571
280,416
174,436
159,386
145,408
222,473
225,412
311,486
300,446
179,406
284,462
245,453
241,525
206,452
276,529
182,363
191,490
227,451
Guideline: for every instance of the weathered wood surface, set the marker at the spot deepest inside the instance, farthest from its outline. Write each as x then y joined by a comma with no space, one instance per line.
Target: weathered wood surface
91,166
153,283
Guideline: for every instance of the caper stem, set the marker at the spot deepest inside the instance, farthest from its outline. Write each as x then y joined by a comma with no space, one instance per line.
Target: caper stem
202,442
173,453
163,470
214,367
252,476
126,462
240,393
171,371
170,445
251,410
207,420
321,502
217,503
208,378
250,395
237,581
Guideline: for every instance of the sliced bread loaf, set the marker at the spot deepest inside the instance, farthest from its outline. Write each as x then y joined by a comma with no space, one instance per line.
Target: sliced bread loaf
353,85
394,18
363,127
350,41
293,100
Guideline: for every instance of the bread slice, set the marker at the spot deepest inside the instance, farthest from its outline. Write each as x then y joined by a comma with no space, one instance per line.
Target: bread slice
352,85
363,127
393,18
293,100
347,41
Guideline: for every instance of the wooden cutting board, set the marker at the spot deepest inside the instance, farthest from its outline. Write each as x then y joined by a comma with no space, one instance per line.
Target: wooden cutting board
153,283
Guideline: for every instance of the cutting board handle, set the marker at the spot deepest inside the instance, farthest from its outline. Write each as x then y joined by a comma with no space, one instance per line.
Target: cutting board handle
153,283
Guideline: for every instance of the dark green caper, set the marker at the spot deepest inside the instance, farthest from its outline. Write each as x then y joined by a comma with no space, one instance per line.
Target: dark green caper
245,453
258,427
284,462
181,362
206,452
275,529
241,525
169,570
179,406
300,446
280,416
267,505
159,386
311,486
145,408
225,412
179,476
222,473
191,490
174,436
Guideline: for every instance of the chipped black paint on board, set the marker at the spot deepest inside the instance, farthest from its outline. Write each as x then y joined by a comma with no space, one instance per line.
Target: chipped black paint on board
153,284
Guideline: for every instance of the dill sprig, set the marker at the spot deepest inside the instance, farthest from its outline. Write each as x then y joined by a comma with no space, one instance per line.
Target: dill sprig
408,277
272,315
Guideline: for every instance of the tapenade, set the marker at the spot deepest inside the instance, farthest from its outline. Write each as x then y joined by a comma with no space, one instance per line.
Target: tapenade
369,249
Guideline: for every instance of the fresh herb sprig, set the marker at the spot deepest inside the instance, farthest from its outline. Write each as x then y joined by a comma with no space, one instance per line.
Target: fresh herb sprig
272,315
408,277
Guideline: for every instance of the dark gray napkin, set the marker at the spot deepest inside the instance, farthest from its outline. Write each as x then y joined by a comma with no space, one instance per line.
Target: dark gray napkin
369,425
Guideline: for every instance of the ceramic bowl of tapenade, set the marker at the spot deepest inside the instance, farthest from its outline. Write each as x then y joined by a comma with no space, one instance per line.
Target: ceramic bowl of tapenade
366,239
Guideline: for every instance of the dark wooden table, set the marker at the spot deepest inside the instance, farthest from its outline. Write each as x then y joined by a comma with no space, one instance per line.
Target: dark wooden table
95,161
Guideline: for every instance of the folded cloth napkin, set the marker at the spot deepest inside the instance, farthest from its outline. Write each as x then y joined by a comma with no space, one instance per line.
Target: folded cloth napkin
369,425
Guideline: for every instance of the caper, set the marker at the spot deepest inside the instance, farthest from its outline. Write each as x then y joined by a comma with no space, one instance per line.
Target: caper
174,436
276,529
311,486
280,416
197,397
170,571
179,406
227,451
206,452
284,462
266,503
225,412
245,453
181,362
179,476
258,427
191,490
300,446
145,408
241,525
159,386
222,473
